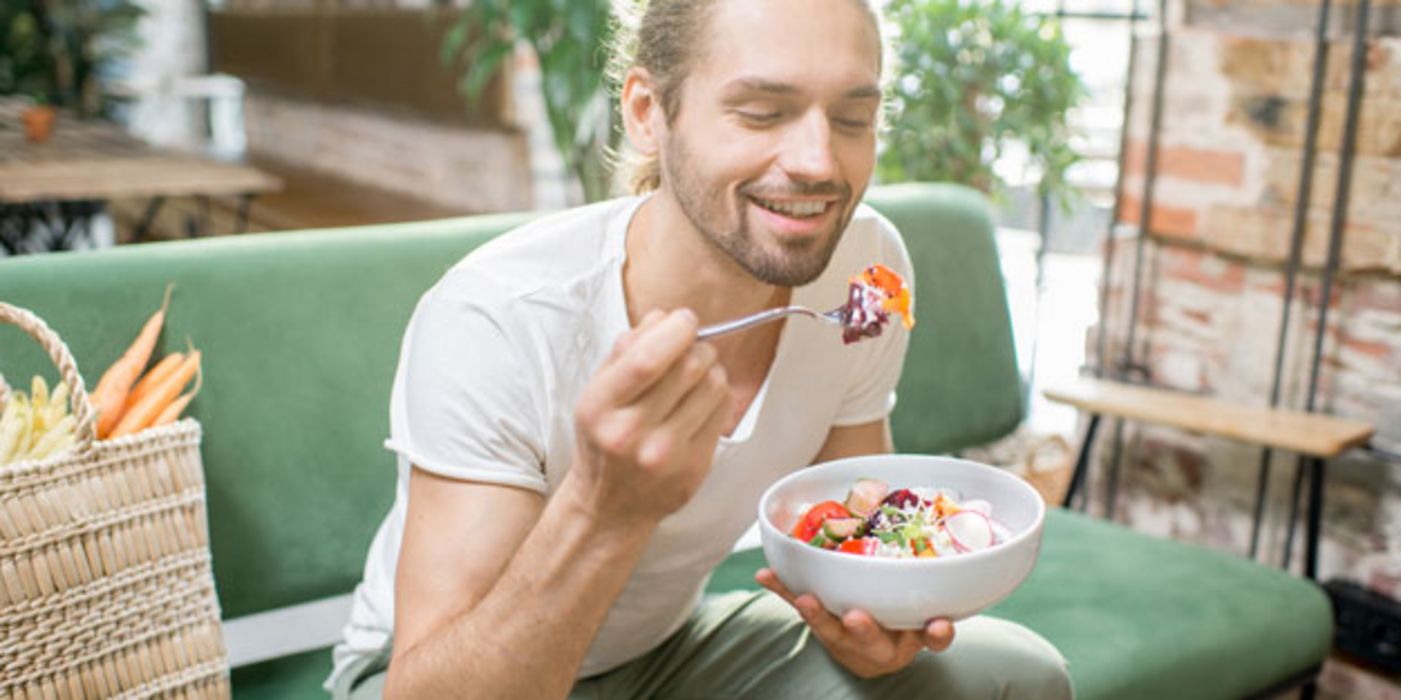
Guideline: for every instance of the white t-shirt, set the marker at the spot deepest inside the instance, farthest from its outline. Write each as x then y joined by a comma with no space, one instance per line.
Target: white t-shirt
498,351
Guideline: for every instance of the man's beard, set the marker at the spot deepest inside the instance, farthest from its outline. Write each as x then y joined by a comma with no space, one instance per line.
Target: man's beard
799,263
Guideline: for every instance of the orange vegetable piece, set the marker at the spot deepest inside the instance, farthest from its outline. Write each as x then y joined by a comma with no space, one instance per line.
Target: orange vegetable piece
109,398
141,415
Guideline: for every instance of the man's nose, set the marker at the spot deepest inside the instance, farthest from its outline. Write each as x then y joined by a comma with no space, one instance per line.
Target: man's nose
807,152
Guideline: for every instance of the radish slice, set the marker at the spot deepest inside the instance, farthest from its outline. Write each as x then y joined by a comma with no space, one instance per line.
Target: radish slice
969,530
977,505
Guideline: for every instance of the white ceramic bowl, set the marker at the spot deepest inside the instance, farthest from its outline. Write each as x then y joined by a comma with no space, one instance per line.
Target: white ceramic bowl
903,593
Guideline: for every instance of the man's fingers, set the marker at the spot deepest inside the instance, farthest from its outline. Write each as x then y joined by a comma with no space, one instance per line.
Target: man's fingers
627,339
907,644
687,375
694,410
720,415
647,358
768,579
824,624
938,634
864,629
809,608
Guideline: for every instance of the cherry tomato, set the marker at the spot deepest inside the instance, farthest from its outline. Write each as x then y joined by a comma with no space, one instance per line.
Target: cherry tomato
811,522
866,546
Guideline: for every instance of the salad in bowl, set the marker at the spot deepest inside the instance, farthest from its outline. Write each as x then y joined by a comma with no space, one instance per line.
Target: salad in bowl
907,538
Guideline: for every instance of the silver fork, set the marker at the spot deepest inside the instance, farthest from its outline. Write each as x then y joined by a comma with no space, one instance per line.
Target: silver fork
836,316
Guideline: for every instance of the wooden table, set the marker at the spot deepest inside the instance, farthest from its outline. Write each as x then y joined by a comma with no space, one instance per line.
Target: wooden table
1316,438
53,189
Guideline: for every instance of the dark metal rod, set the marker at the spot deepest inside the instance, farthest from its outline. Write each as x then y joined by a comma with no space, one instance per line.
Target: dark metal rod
1336,231
1340,200
245,201
1382,453
1262,480
1296,247
1293,519
1082,461
1315,516
204,209
1073,14
149,217
1043,234
1145,218
1111,476
1150,177
1107,264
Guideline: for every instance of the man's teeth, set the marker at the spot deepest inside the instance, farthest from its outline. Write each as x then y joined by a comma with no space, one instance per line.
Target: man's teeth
801,209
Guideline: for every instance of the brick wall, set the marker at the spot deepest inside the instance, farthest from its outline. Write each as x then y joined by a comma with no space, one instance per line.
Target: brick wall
1227,180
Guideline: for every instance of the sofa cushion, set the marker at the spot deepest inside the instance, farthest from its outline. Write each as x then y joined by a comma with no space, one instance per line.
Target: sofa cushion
296,677
1146,618
1136,616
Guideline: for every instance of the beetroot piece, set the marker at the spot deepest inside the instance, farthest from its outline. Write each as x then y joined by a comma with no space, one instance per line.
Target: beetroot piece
903,498
863,316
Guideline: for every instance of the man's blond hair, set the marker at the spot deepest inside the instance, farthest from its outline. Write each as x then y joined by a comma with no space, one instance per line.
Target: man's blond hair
665,38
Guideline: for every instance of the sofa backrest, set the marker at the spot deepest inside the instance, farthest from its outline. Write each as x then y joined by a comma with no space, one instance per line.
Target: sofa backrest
300,334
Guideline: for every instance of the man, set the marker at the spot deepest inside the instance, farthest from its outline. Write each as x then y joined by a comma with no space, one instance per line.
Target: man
573,462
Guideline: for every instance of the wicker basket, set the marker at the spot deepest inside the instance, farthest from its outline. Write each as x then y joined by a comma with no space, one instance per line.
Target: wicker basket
105,582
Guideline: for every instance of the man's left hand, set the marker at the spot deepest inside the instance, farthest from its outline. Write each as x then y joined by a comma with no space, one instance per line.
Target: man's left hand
855,640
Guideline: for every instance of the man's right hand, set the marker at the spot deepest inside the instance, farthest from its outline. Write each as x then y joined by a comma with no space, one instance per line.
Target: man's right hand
648,421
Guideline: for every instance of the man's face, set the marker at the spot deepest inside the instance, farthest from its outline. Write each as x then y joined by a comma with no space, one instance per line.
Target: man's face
774,142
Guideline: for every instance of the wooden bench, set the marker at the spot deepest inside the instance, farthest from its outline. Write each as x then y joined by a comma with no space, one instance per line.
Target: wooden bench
1317,437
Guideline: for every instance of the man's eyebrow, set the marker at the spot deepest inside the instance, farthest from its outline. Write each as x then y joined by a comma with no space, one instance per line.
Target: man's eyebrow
865,92
747,85
740,85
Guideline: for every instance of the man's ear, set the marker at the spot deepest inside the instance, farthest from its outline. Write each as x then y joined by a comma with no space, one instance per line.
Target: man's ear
642,111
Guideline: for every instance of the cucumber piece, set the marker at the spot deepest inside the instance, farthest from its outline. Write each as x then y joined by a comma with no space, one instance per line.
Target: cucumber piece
865,496
842,528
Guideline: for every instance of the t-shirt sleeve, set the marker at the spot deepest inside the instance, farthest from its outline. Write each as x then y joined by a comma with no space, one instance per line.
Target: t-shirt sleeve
466,404
870,395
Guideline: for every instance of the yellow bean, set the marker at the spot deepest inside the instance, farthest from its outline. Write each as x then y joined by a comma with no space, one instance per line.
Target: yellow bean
39,391
52,448
12,424
58,403
50,443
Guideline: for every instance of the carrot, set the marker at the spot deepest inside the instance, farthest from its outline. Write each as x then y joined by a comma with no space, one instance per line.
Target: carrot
172,412
152,378
109,398
139,416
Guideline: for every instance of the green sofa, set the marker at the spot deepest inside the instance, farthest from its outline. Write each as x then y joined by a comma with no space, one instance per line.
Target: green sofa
300,334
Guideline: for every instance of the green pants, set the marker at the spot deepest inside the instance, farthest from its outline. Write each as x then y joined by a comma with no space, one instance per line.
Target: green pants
753,645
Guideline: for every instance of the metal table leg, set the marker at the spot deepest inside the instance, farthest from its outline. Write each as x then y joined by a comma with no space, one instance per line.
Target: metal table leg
144,226
1315,518
245,201
1082,461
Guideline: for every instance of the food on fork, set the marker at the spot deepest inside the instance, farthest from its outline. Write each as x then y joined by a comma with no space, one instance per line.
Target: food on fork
875,294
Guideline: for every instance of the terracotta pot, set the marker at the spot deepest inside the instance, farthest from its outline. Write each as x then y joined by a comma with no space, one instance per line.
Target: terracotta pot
38,123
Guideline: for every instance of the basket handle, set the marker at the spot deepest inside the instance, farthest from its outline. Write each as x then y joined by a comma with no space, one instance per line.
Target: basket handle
86,430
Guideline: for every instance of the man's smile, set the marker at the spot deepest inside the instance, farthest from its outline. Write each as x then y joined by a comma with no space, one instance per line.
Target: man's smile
796,216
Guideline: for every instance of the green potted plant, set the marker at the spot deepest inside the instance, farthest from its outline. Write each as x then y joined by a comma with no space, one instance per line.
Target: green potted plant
55,50
970,79
569,39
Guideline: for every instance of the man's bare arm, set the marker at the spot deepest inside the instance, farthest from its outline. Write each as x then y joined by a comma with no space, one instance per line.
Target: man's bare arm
856,440
500,593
